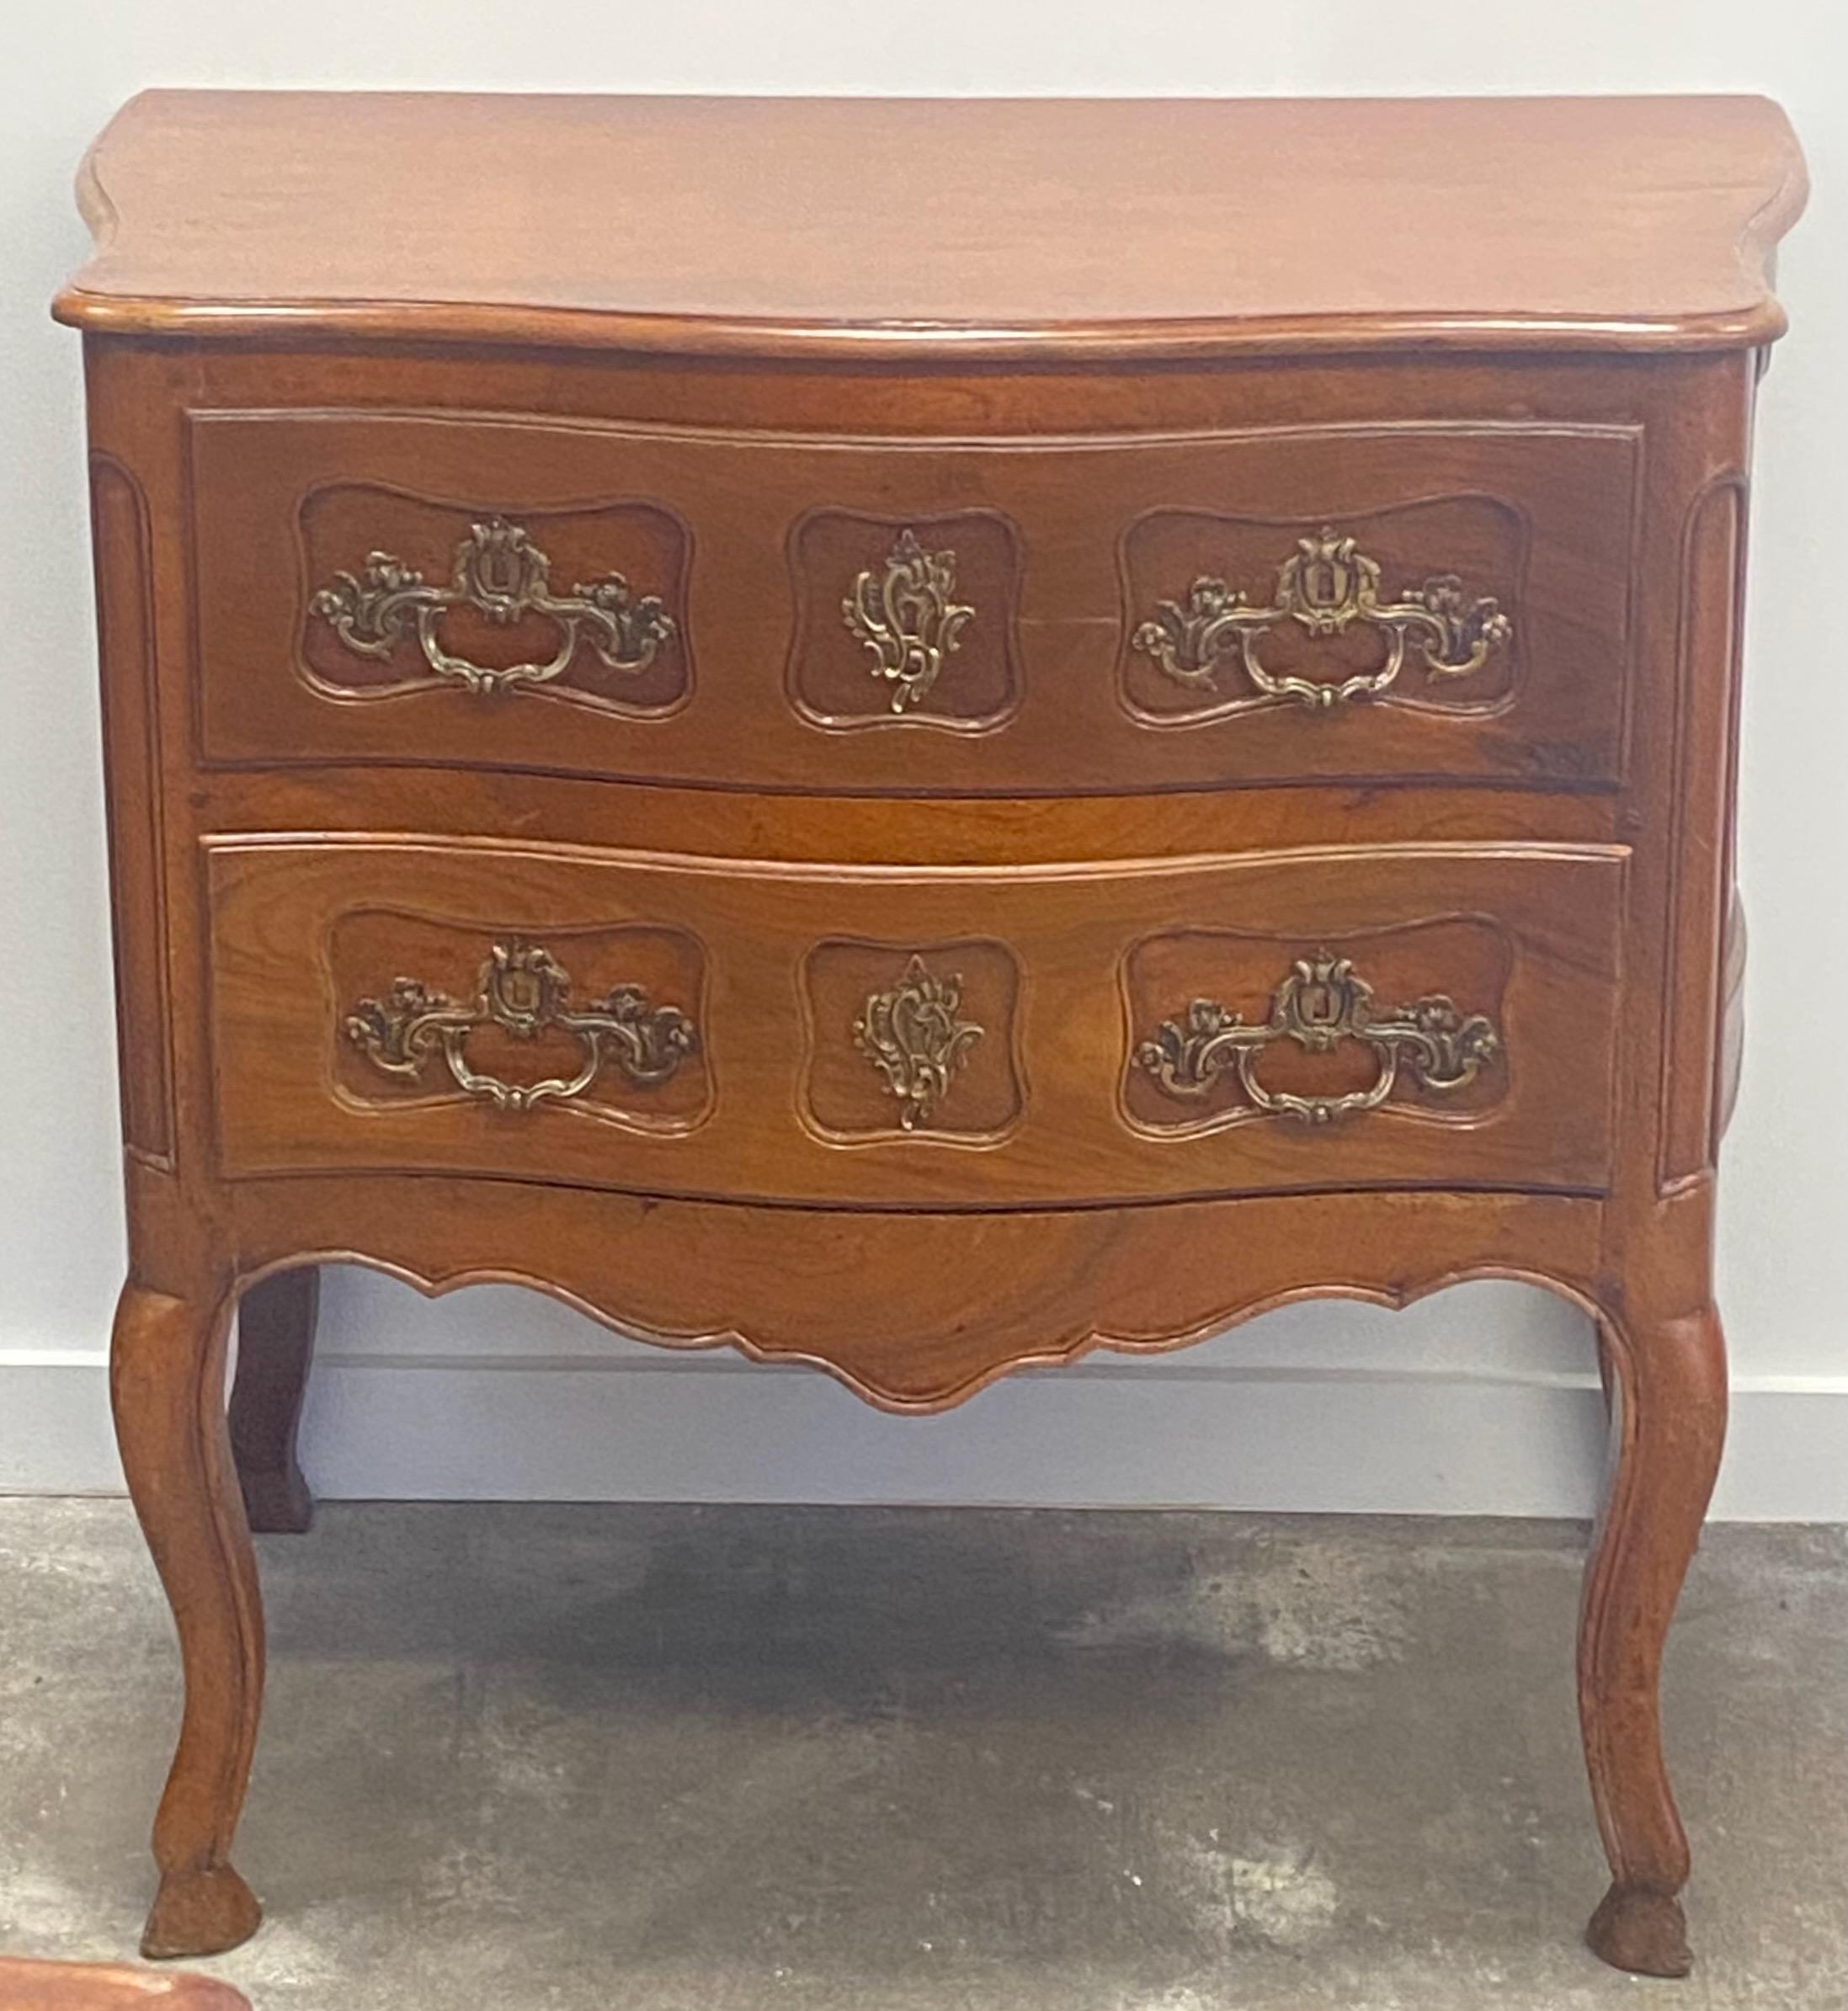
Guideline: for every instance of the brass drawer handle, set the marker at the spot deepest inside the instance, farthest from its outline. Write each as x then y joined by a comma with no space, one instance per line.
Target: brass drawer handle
523,991
907,618
503,575
1326,584
912,1035
1320,1004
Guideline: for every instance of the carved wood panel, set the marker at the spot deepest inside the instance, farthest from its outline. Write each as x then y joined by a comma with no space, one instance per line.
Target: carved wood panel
790,670
1358,616
1237,1027
906,622
604,1023
916,1311
809,1014
122,533
934,1030
408,596
1708,639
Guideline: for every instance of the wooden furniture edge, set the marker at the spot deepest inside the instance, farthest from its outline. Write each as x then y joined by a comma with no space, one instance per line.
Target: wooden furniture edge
1754,321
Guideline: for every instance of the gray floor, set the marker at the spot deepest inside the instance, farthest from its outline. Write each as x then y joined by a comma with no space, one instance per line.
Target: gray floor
683,1759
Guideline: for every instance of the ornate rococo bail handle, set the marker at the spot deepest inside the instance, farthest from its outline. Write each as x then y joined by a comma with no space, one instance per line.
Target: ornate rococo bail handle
502,575
1319,1005
1326,585
526,992
907,618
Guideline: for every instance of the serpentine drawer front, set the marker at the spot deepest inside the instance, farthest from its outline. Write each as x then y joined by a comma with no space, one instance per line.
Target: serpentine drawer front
1456,1026
919,737
954,618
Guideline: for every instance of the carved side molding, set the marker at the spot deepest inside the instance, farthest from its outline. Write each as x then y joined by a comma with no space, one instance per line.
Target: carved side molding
1691,1092
504,576
121,524
1321,1004
1325,586
525,992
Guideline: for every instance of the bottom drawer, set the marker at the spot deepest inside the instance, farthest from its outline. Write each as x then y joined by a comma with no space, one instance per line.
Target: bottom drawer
1416,1015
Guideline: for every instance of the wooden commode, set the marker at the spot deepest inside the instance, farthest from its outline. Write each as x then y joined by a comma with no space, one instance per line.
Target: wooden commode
920,737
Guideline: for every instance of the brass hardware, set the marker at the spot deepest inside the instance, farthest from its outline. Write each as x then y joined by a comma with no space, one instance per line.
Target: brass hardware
1326,584
913,1036
906,619
523,991
1320,1004
503,575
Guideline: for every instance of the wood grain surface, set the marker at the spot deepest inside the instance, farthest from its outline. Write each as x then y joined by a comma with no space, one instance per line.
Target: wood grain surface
303,932
1062,549
1035,226
731,350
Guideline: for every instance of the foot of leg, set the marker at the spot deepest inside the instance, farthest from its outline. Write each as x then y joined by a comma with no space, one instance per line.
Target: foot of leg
1641,1931
200,1912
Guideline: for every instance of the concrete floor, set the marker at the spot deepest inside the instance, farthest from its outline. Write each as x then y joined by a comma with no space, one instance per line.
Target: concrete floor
723,1759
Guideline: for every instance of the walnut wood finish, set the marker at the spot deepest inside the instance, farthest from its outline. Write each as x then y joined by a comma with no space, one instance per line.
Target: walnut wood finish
775,988
275,1346
1514,223
1061,550
1059,967
167,1360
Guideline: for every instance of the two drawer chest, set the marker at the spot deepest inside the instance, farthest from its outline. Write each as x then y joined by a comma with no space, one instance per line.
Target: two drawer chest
919,737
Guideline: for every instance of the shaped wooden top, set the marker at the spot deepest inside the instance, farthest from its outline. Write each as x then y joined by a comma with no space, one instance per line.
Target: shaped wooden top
948,227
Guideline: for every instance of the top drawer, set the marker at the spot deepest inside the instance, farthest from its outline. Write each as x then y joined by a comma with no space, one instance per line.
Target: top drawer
981,617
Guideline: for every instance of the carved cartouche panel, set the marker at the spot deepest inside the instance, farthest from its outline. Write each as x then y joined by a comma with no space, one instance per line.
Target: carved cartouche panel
905,620
912,1040
526,1021
1414,606
404,595
1229,1029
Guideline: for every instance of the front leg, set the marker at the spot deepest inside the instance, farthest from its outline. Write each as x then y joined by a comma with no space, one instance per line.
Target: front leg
1667,1426
276,1347
166,1383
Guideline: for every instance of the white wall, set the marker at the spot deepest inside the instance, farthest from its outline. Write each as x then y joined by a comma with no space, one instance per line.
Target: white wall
1477,1400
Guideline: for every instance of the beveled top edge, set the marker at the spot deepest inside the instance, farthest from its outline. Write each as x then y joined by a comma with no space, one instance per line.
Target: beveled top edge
1672,253
372,324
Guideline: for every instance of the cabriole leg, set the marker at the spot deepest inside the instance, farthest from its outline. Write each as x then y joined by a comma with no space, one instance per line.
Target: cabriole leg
1667,1429
276,1347
167,1382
